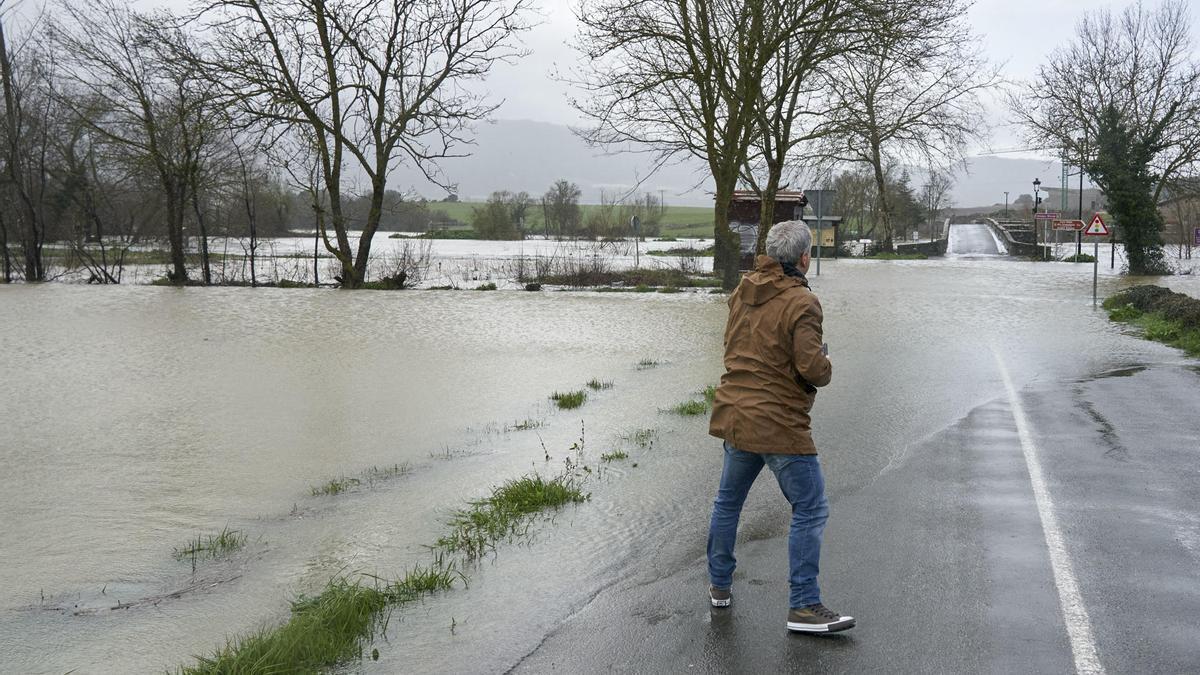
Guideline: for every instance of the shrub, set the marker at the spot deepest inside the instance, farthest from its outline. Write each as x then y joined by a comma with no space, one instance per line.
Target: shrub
1079,258
1142,297
1165,316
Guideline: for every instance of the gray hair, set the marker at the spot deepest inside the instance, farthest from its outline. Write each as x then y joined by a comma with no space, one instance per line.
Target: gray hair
789,240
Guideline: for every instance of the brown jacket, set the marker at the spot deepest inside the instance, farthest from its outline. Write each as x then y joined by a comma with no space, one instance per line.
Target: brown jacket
772,353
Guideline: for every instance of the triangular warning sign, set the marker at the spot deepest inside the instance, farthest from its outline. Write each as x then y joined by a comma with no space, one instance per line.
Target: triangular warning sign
1097,228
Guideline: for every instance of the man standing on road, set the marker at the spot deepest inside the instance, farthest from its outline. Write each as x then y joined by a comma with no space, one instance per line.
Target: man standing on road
774,362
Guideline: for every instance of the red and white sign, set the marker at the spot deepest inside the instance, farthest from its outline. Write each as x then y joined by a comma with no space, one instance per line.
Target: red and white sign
1097,228
1074,225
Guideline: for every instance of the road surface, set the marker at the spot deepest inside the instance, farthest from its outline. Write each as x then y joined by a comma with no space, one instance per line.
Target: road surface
972,239
1053,527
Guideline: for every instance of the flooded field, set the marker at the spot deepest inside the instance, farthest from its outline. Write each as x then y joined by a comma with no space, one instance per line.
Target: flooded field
136,418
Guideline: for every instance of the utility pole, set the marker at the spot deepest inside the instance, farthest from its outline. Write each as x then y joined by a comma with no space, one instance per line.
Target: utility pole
1037,200
1006,204
1082,161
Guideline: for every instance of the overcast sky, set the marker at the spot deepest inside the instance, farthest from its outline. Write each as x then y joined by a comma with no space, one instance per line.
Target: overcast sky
1017,33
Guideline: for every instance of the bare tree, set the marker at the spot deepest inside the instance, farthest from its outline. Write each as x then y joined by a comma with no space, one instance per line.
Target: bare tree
155,112
911,96
682,78
374,83
560,208
26,138
1129,85
792,110
935,196
1140,62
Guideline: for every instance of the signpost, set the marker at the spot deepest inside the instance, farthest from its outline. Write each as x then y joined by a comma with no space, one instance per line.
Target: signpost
1070,225
636,223
1047,215
1096,229
1196,236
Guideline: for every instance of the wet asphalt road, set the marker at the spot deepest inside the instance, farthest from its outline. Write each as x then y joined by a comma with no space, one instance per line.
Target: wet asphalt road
973,239
943,555
944,562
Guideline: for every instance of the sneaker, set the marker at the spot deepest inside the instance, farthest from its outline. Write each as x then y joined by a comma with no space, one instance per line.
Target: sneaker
721,597
817,619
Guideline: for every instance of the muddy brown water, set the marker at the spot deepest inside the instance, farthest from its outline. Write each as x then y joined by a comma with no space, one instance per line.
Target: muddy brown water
134,418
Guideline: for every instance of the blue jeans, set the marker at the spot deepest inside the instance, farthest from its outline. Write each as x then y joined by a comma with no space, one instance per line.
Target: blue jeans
800,478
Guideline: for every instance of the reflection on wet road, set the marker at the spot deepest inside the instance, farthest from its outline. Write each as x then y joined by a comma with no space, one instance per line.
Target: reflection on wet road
223,406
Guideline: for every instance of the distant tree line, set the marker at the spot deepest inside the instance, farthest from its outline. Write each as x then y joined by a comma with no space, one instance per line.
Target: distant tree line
507,215
858,202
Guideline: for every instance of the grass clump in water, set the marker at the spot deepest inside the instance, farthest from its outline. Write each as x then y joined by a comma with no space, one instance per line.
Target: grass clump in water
336,486
643,438
597,385
695,407
647,363
212,545
506,512
569,400
614,456
324,630
690,408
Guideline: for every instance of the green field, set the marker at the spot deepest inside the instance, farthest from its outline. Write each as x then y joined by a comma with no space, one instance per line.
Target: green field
678,221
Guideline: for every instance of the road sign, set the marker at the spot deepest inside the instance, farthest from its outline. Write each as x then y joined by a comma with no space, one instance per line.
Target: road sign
1196,234
1047,215
1074,225
1097,228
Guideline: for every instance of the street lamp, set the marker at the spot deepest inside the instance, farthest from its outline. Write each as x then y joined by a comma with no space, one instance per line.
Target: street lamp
1037,199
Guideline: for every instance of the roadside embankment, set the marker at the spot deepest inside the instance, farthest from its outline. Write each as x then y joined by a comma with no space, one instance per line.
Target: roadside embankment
927,248
1164,315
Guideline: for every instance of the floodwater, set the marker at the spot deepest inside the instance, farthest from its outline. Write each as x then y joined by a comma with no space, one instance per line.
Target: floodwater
450,262
134,418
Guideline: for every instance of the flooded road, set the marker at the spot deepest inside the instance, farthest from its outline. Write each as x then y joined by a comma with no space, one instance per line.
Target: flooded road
973,239
137,417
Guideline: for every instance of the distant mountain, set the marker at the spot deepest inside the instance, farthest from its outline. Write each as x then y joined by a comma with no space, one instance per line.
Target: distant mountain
523,155
987,178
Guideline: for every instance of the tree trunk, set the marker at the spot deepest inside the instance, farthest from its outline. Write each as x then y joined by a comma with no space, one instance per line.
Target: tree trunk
368,233
31,238
316,257
342,251
766,218
885,208
252,221
4,250
727,248
204,264
175,206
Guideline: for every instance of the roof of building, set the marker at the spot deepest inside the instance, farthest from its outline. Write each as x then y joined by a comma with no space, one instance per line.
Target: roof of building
781,196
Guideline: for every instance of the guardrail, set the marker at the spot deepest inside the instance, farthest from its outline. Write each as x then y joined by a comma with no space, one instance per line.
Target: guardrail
1017,246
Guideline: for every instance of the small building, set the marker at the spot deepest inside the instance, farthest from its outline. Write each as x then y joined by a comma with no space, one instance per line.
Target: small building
745,211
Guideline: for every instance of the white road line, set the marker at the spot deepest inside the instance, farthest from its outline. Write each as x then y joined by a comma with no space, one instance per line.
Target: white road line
1079,626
